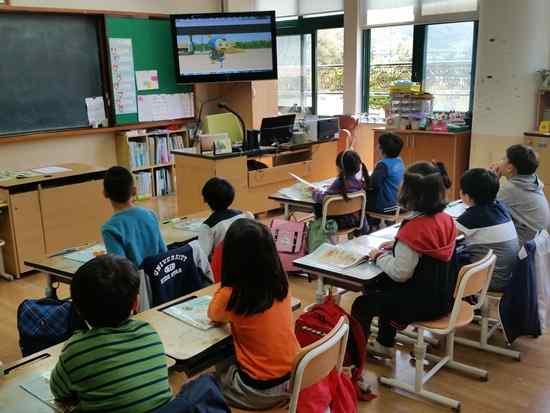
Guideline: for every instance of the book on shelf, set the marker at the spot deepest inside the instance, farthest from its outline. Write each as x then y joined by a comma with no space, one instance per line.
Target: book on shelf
144,185
163,181
139,154
193,312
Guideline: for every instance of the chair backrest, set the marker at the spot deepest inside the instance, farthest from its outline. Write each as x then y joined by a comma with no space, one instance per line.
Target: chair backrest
336,205
224,123
316,361
473,279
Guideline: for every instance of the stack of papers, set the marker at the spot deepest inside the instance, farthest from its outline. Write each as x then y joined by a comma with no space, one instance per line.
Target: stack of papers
193,312
87,254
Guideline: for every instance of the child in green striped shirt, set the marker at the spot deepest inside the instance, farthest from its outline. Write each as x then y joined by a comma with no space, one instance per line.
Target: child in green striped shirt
118,365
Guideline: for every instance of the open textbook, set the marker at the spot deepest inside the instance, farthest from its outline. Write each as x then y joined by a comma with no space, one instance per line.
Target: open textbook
338,256
87,254
193,312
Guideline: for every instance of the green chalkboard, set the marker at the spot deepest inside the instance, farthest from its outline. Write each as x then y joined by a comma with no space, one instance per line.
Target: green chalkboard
152,49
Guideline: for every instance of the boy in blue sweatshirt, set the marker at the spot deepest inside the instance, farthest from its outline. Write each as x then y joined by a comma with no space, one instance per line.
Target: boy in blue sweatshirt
132,232
387,176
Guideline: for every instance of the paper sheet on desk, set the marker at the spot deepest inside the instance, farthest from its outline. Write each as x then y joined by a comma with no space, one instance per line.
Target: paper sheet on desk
192,225
86,254
51,170
39,387
193,312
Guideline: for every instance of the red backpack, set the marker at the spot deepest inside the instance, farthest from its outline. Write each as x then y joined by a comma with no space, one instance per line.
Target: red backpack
320,320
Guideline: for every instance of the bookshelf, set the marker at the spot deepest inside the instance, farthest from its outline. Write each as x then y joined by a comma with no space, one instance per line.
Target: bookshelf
147,154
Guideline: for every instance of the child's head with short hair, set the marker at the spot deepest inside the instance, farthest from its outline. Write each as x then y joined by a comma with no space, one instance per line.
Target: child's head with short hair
423,189
218,193
478,186
520,160
390,145
105,290
252,268
118,185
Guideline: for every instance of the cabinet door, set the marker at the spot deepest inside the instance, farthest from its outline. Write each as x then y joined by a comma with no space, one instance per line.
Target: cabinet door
27,223
542,147
429,147
73,214
407,153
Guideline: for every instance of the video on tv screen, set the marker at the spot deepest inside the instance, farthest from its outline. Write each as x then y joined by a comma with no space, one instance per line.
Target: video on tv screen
225,46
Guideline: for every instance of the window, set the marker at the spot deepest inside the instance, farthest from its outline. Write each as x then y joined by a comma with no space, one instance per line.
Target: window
285,8
310,54
330,71
391,57
448,65
294,69
440,56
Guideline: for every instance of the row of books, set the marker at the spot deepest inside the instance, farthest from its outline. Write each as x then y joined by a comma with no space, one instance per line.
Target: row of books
157,184
154,150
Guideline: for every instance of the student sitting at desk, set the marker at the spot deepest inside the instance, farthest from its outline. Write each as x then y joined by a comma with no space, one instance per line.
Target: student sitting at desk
523,191
255,299
486,225
132,232
386,177
420,269
349,166
118,365
219,194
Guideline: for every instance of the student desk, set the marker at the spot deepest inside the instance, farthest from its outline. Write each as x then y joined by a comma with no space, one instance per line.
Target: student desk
61,269
293,199
357,278
50,212
253,184
191,348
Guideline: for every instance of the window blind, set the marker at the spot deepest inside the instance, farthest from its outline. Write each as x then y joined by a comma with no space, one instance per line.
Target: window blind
286,8
392,12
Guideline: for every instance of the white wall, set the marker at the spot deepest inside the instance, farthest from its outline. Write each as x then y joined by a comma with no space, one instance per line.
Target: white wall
513,43
149,6
97,149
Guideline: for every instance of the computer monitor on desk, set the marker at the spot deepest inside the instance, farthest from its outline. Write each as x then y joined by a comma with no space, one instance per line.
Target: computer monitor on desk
277,129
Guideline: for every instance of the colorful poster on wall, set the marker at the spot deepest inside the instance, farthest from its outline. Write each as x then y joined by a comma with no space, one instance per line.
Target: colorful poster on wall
147,80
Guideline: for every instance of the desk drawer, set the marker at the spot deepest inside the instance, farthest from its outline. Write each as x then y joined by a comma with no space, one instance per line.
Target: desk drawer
278,174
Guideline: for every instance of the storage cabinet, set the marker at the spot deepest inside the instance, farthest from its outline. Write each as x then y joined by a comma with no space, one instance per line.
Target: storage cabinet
541,144
453,149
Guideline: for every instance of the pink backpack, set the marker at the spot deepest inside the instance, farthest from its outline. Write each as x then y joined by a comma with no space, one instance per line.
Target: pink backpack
290,240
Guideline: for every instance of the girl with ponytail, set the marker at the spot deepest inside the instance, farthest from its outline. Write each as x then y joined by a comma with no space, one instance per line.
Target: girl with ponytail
353,176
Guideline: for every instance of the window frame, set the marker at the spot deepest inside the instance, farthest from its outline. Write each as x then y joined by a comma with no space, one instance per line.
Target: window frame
418,60
304,25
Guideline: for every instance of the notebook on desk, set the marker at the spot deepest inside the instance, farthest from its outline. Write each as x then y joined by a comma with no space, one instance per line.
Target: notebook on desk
193,312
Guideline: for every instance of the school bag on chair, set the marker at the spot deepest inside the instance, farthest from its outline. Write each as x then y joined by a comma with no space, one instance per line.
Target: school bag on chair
314,324
290,241
45,322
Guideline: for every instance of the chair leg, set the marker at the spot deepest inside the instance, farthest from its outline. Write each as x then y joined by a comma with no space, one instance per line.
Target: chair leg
418,388
455,365
485,334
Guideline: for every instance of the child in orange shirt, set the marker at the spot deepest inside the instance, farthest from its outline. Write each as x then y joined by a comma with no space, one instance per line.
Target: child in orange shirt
254,298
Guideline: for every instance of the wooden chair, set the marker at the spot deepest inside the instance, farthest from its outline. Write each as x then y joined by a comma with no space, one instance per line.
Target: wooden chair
3,272
348,124
336,205
315,362
473,279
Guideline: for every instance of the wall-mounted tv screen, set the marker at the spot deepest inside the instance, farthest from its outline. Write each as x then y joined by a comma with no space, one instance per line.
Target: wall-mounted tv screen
214,47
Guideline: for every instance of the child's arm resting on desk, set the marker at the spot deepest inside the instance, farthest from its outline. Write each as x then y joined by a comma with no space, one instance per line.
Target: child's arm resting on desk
60,382
217,310
400,265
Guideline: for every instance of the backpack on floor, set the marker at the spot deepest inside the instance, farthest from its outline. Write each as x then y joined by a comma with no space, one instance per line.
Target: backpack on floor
44,323
290,241
314,324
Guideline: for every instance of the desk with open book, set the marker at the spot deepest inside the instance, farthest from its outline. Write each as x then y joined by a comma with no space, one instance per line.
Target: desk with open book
346,265
60,267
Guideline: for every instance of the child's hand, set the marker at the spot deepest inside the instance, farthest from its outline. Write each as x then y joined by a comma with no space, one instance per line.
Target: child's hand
495,167
387,246
375,253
